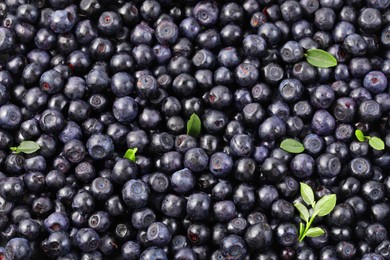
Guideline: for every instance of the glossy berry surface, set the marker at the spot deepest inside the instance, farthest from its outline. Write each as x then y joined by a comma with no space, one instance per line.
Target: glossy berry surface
106,89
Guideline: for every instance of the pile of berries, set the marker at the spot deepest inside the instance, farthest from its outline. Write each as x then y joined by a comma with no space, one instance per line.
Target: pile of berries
82,83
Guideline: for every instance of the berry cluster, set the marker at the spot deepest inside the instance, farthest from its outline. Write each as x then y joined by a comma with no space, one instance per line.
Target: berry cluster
167,129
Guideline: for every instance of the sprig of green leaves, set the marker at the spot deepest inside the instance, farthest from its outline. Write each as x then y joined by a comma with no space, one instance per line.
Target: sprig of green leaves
26,147
320,208
292,146
130,154
194,125
373,141
320,58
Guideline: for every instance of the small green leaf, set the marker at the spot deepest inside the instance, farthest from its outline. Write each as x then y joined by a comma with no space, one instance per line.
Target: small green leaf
376,143
315,232
301,230
325,205
26,147
303,211
130,154
307,194
292,146
194,125
320,58
359,135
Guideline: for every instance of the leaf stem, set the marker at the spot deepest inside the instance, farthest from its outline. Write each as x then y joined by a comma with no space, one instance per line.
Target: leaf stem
308,224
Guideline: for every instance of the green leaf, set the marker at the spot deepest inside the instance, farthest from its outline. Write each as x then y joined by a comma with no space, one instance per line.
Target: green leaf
320,58
26,147
325,205
315,232
292,146
194,125
376,143
130,154
303,211
301,230
307,194
359,135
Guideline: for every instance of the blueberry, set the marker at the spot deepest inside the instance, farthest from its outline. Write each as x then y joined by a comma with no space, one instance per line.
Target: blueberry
56,222
328,165
258,236
322,97
122,84
241,145
244,197
143,55
342,215
182,181
153,252
100,146
146,86
254,45
291,52
369,19
341,30
246,74
10,116
7,39
271,33
131,250
150,10
158,234
173,206
109,23
206,13
167,32
125,109
162,53
286,234
12,188
291,90
373,191
189,27
220,164
371,256
57,244
375,233
214,121
324,18
355,44
87,239
233,247
291,11
173,161
375,82
302,165
224,210
99,221
18,248
62,21
159,182
323,122
273,169
272,128
135,193
29,229
198,206
273,73
237,226
370,110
